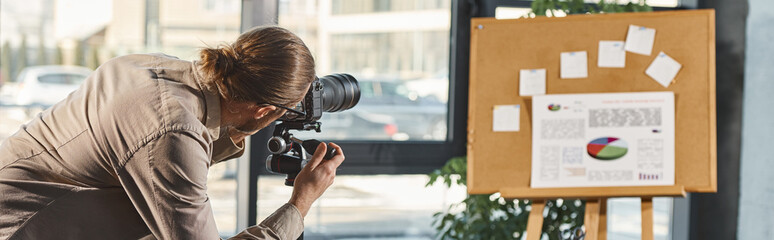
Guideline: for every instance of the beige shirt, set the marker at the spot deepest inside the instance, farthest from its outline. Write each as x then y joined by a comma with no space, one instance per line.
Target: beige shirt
123,157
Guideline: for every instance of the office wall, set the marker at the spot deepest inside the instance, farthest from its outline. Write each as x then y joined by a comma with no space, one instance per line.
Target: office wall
714,215
756,200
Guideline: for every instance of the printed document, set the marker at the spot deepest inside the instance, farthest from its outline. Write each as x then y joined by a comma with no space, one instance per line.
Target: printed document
599,140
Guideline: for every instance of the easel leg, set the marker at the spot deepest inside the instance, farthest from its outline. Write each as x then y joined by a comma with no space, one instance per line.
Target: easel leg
535,222
595,219
647,218
591,218
602,229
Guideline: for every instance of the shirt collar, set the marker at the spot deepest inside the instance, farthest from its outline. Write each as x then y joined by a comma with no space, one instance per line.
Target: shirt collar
212,104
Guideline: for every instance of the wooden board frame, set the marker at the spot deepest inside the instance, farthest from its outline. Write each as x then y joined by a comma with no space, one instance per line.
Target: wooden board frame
501,161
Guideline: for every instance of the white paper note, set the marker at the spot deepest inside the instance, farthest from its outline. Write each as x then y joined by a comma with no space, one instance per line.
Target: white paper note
506,118
611,54
602,140
574,65
640,39
532,82
663,69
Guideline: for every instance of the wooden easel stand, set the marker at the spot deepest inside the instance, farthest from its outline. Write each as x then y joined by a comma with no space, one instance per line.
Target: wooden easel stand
595,219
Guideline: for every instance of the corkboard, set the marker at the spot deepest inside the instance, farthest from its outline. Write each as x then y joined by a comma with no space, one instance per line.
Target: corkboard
501,161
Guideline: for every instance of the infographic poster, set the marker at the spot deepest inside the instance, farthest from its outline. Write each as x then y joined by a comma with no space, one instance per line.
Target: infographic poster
603,140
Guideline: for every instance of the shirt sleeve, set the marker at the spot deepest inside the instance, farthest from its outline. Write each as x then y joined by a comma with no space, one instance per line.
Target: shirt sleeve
224,148
285,223
166,180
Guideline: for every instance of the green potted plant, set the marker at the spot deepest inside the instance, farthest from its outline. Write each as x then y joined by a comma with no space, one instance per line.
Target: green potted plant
542,7
489,216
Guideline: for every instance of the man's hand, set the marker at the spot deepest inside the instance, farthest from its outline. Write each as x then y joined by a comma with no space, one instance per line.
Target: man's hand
315,178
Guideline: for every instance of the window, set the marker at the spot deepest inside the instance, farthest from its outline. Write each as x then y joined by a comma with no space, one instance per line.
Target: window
64,79
366,206
44,40
340,7
399,52
402,70
519,9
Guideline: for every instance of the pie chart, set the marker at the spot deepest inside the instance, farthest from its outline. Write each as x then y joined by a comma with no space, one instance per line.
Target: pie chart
607,148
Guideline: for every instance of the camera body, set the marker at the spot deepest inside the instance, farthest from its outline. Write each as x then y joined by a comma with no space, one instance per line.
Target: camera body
332,93
311,105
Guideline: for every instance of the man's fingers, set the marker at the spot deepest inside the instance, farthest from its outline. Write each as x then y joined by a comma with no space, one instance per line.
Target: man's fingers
338,158
317,157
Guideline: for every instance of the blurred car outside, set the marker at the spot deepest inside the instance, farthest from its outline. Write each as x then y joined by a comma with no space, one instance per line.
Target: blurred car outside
390,109
39,87
418,116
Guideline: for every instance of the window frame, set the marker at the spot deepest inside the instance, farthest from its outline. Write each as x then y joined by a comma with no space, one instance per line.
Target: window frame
396,157
376,157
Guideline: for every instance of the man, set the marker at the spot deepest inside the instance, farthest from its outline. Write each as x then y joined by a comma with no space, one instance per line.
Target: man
126,155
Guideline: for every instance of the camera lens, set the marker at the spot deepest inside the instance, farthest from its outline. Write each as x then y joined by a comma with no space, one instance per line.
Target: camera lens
340,92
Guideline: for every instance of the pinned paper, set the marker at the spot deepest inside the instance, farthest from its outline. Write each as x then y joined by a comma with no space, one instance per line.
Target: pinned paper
640,39
574,65
611,54
506,118
532,82
663,69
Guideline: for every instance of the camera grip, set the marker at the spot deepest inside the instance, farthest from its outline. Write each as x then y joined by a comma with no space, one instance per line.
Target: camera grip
311,146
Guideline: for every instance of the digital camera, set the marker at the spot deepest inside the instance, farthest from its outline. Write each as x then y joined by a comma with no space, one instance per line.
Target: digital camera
332,93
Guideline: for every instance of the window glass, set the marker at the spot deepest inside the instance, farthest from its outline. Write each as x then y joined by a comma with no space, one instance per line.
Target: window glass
399,53
367,207
624,219
340,7
503,12
653,3
64,79
44,39
660,3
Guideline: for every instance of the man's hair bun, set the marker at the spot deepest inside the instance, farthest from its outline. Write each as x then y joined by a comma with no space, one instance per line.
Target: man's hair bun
265,65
